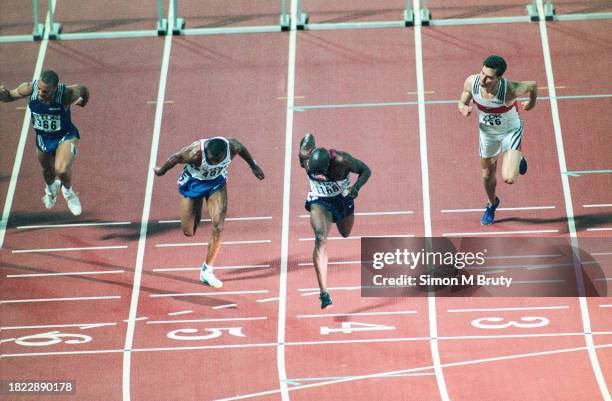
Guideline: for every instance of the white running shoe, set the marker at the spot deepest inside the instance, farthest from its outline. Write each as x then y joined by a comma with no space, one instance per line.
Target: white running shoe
72,199
208,278
51,194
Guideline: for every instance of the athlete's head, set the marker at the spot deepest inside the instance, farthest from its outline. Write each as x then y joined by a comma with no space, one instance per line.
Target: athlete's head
318,162
215,151
46,85
493,68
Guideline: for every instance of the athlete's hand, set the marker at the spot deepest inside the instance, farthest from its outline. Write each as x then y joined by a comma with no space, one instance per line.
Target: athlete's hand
158,171
465,110
258,172
527,105
81,102
353,192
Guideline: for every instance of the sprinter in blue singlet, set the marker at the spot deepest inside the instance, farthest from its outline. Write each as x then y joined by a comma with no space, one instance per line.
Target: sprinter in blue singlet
56,137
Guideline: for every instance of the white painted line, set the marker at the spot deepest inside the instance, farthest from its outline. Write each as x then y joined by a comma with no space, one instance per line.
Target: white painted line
508,309
524,266
351,262
537,281
72,225
155,101
25,128
224,306
498,209
363,236
605,306
600,205
226,219
601,254
500,233
265,241
207,294
230,319
329,288
402,312
216,268
47,326
523,256
14,301
146,209
604,279
65,274
268,299
84,248
600,229
137,319
185,312
569,208
305,216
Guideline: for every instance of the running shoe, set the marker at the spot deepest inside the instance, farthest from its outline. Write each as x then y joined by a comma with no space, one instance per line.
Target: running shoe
326,300
523,166
208,277
51,194
72,199
489,214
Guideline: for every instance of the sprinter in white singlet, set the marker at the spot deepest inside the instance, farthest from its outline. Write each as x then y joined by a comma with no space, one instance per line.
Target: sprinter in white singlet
501,127
204,178
330,199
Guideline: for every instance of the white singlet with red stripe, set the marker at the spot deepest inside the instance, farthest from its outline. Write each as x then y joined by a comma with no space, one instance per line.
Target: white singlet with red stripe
207,171
494,116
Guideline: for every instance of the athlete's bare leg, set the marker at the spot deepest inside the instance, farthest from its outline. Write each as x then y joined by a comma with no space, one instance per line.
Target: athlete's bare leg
47,162
346,225
64,157
489,169
321,222
191,210
217,208
510,167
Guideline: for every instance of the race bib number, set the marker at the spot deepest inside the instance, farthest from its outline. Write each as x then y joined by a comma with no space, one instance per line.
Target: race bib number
492,119
212,173
325,188
46,122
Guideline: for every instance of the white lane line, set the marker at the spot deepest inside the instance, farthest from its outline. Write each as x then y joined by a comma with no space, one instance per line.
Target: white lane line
419,369
351,262
226,219
600,229
268,299
216,268
600,205
230,319
224,306
207,294
601,254
500,233
569,208
72,225
25,127
605,305
14,301
83,248
265,241
499,209
305,216
137,319
329,288
402,312
363,236
146,209
508,309
47,326
524,266
184,312
604,279
65,274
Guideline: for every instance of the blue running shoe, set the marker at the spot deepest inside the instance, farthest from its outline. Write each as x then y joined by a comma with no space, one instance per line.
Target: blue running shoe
326,300
489,214
523,166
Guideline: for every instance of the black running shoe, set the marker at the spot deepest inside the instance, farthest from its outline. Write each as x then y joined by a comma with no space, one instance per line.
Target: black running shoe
523,166
325,300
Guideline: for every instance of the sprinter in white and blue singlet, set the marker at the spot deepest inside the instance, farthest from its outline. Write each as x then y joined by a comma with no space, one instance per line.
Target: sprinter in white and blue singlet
204,178
330,199
501,127
56,137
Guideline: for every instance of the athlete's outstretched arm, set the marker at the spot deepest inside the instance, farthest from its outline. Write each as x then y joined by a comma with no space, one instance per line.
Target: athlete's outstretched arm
526,87
466,96
355,166
189,154
77,94
237,148
10,95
